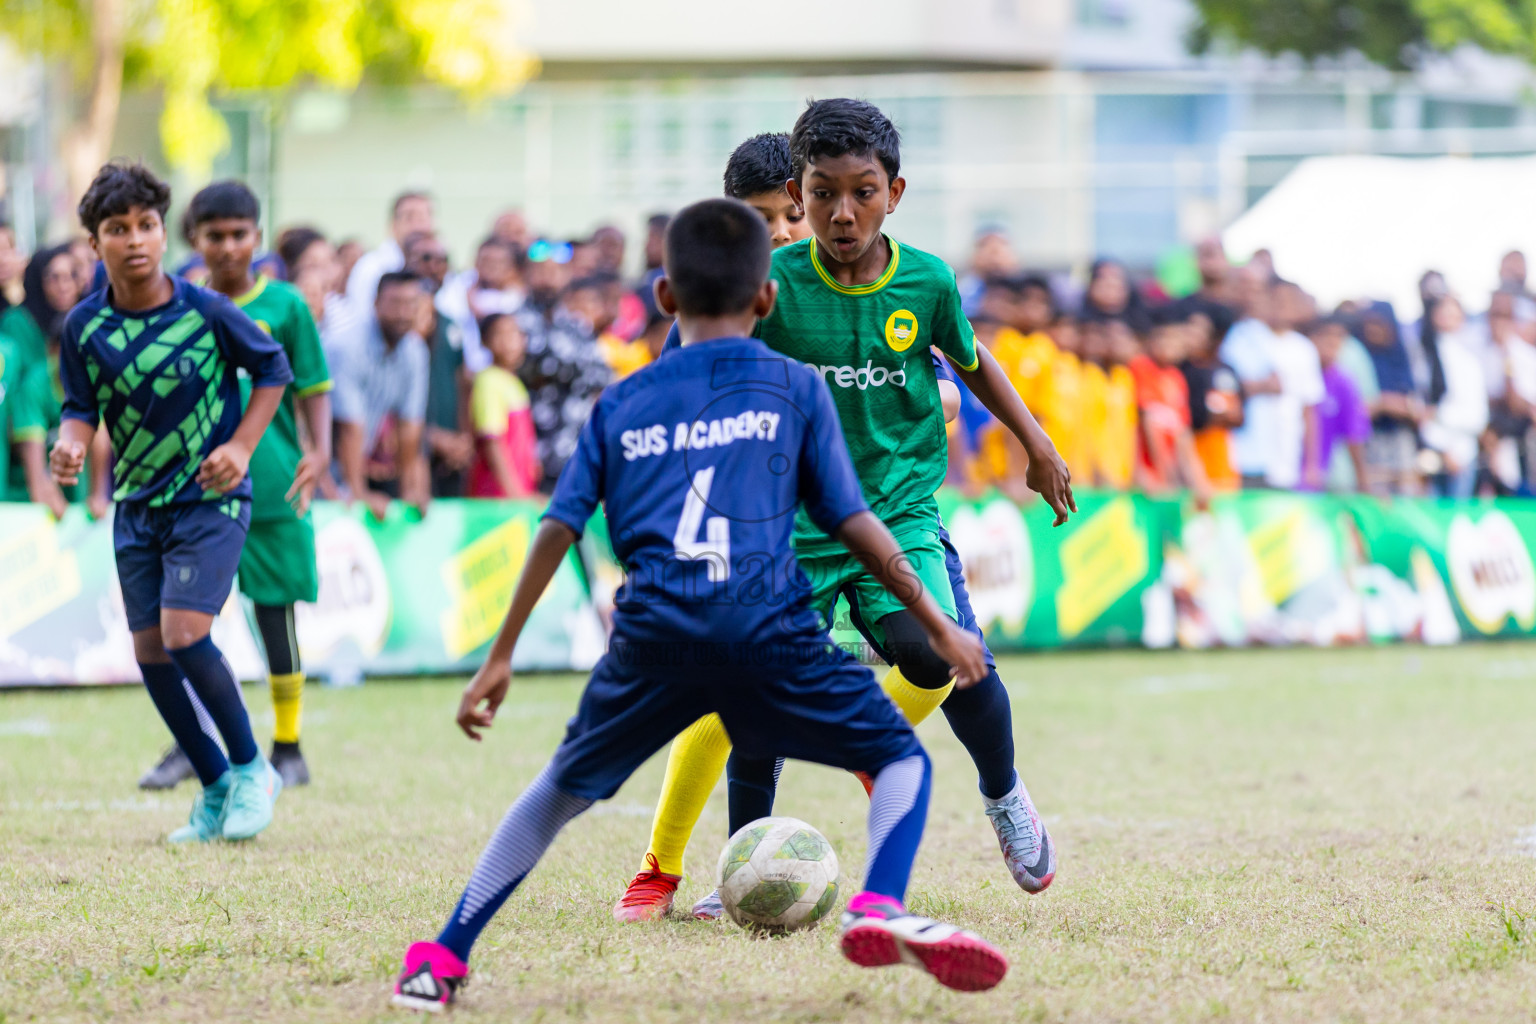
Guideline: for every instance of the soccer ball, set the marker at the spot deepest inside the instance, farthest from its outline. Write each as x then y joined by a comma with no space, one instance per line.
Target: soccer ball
778,875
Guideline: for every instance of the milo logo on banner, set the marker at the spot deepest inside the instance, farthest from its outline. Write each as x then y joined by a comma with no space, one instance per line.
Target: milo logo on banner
1491,572
999,565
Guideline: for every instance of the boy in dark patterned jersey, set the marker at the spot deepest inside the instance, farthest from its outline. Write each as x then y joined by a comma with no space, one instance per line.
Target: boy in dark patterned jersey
277,567
155,358
862,311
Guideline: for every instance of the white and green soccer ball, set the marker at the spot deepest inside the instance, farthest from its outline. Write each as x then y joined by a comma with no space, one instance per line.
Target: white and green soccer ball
778,875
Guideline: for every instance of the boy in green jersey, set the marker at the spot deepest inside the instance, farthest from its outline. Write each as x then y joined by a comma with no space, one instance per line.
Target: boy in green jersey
277,567
863,311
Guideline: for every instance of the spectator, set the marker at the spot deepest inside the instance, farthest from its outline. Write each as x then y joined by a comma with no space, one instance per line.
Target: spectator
595,299
655,239
1109,296
1283,378
1512,404
506,461
348,252
511,228
1513,273
411,214
380,401
607,244
493,285
1167,448
1391,453
1109,401
1215,401
1343,420
12,263
34,329
312,264
564,371
85,266
1454,389
450,446
1215,299
992,258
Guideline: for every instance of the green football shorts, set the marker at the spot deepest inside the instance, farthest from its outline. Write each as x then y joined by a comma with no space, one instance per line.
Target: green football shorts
834,573
278,564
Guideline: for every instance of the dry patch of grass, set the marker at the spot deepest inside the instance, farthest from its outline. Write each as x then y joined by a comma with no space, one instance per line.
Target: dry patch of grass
1244,836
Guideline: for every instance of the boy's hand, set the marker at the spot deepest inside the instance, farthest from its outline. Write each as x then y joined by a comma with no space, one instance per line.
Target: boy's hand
224,467
65,461
489,687
306,477
964,653
1048,475
377,503
98,505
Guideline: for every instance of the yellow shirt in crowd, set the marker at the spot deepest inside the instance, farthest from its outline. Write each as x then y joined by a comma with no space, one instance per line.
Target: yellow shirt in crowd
623,357
1051,383
1109,425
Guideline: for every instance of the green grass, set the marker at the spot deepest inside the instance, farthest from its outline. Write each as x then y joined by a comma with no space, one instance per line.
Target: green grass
1307,835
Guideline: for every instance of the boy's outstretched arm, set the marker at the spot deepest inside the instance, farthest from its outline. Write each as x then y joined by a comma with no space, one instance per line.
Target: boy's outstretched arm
872,544
1047,472
489,686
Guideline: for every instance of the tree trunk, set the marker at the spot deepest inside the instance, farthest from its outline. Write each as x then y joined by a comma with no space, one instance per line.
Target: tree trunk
87,144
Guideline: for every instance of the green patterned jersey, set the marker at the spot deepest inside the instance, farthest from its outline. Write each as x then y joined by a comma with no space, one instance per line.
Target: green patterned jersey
279,309
870,343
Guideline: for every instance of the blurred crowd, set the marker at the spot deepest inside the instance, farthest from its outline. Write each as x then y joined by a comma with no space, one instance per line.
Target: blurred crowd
1246,383
475,381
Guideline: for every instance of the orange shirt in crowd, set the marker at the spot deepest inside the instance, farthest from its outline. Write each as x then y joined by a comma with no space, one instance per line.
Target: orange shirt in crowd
1162,398
498,408
1109,423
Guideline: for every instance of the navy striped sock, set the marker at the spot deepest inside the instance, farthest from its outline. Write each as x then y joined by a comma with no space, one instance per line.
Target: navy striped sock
523,836
216,686
898,809
167,688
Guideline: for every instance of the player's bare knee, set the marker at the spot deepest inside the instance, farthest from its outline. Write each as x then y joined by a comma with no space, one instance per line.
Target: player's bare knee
181,628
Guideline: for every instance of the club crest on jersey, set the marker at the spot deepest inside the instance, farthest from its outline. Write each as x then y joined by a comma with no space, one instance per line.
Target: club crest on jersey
186,367
900,330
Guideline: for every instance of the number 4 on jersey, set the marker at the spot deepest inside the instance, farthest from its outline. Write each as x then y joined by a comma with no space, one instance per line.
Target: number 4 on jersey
715,548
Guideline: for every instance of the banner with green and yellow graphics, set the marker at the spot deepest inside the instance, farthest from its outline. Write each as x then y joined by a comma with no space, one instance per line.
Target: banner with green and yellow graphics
425,595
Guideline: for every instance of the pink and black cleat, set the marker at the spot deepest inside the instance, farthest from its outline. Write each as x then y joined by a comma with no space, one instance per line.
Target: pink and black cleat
878,932
429,979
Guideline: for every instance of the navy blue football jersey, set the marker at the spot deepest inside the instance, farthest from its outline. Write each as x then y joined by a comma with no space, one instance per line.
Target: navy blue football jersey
700,461
165,382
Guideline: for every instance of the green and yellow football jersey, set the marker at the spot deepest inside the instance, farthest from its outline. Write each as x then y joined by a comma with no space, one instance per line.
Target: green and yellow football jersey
870,344
279,309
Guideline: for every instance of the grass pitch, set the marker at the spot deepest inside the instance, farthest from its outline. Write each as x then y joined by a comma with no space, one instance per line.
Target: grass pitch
1301,835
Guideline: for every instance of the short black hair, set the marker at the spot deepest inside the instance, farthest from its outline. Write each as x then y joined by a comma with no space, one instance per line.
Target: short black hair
596,281
717,256
405,197
118,188
414,239
224,200
1169,314
759,165
1035,283
395,277
840,127
294,242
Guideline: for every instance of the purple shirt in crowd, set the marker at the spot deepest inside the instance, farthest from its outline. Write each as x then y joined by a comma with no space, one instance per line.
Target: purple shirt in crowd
1342,417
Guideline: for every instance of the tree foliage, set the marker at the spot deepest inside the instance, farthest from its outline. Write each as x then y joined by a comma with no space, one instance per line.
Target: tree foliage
194,49
1394,33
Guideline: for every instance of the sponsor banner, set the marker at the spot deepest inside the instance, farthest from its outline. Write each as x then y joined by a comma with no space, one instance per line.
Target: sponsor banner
409,596
404,596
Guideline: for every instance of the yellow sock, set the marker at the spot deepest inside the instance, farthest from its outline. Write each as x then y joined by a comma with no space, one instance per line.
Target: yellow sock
915,702
695,764
287,706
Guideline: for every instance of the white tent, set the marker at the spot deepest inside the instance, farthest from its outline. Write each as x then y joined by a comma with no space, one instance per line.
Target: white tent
1368,226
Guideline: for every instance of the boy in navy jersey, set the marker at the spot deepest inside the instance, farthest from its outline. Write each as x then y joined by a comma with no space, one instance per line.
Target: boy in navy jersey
156,358
701,461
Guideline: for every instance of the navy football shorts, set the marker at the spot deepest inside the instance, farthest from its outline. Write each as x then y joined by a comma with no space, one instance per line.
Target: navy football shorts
177,556
812,702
